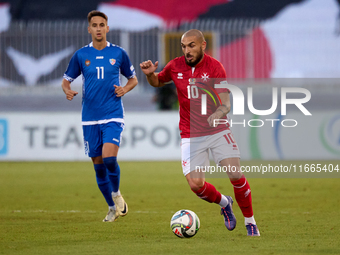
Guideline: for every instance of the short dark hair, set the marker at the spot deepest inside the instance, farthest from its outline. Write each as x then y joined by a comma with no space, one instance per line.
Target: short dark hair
96,13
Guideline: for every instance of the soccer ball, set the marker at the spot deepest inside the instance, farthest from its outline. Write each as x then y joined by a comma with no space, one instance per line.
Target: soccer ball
185,223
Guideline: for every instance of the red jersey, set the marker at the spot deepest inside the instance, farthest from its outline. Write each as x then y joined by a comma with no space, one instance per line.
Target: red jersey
192,122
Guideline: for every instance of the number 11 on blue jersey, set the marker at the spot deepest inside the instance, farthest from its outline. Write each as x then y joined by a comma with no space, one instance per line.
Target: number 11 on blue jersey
100,72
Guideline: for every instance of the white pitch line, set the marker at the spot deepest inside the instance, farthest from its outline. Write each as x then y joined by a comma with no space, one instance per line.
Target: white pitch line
90,211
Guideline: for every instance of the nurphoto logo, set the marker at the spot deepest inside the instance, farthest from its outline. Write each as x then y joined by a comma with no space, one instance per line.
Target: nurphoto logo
239,102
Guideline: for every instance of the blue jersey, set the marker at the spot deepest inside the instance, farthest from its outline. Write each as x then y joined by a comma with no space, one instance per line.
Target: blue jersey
100,70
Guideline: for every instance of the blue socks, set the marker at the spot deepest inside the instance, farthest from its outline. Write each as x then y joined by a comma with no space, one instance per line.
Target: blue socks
103,182
114,172
108,178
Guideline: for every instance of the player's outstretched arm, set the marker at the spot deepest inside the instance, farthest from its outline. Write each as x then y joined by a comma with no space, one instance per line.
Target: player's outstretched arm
121,91
222,110
66,86
149,69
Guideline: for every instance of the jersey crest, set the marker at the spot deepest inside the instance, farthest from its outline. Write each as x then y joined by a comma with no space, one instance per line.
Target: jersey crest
205,76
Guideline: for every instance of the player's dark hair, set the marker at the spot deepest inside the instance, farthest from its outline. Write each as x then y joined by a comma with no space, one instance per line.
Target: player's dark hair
96,13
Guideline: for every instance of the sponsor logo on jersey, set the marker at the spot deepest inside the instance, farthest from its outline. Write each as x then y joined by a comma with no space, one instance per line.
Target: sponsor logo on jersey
100,57
112,61
192,81
180,76
87,62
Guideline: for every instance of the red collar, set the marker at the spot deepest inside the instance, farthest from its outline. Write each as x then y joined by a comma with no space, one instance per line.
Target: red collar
202,61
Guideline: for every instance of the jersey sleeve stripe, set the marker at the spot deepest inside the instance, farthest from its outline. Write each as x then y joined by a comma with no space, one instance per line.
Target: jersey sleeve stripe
68,78
131,76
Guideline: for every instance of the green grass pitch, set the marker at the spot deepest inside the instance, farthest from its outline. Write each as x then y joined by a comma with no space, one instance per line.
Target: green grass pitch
57,208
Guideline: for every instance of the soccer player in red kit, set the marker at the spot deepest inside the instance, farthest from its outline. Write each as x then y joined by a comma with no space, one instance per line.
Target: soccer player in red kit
198,133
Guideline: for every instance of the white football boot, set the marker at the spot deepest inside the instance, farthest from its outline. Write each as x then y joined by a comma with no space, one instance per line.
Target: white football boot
111,216
121,205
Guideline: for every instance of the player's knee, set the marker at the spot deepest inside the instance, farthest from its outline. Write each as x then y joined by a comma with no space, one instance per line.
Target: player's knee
100,171
196,184
112,165
235,176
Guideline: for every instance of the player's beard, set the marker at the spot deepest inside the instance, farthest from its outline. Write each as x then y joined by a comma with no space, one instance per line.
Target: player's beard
197,60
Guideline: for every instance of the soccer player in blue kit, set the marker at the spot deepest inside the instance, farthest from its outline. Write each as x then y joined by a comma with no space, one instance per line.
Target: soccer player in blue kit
100,63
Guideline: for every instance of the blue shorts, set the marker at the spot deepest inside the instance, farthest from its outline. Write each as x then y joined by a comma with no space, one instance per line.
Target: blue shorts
96,135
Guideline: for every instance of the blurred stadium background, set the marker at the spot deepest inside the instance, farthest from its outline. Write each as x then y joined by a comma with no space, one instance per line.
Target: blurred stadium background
264,44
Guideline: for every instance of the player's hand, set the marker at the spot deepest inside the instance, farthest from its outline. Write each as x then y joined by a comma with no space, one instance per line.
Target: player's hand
120,91
216,115
148,67
70,94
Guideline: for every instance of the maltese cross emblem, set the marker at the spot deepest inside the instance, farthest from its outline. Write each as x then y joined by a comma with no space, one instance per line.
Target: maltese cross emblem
205,76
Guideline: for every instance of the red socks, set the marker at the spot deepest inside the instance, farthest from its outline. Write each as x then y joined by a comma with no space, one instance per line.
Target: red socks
243,196
209,193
